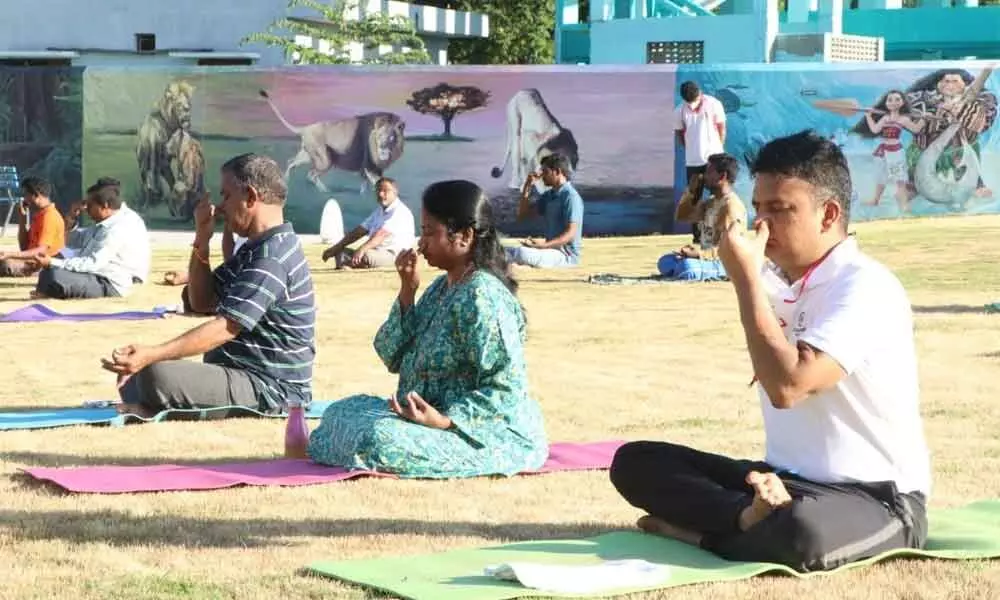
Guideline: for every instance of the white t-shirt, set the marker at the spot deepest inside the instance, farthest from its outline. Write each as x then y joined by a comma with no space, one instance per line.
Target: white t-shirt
398,221
700,127
868,427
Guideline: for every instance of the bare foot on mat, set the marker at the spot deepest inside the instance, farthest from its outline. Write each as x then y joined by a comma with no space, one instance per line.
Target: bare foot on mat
769,494
658,526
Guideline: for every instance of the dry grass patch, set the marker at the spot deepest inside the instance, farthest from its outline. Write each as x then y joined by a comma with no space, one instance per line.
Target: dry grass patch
657,361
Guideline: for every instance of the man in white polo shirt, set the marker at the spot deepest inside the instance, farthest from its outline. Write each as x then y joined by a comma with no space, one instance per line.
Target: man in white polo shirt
829,330
700,129
390,230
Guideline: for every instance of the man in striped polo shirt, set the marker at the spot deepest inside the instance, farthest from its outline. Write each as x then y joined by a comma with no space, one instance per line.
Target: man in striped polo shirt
260,344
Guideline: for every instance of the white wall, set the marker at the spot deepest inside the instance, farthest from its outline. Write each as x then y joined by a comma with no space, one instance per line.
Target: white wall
111,24
181,25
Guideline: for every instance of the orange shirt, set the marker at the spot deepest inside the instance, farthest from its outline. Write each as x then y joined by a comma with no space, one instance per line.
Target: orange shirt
47,227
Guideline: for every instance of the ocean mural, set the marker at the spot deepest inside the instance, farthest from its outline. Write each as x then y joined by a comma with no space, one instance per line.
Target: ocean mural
164,134
921,138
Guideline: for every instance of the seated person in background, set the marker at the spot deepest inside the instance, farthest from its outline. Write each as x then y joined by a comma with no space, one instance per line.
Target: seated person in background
461,407
830,334
562,208
701,262
390,230
114,253
46,235
76,236
259,347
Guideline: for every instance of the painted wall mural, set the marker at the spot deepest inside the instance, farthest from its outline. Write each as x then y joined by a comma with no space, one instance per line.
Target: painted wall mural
41,125
920,138
165,134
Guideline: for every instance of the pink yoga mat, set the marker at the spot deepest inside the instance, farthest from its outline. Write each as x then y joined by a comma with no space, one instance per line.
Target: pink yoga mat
287,472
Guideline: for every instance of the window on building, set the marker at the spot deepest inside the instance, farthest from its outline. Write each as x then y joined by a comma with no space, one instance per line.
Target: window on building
675,53
225,62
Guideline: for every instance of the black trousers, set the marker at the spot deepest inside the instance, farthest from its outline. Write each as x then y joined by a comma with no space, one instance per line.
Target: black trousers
825,526
699,191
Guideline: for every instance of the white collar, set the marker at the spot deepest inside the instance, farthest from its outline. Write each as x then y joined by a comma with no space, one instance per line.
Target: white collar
778,287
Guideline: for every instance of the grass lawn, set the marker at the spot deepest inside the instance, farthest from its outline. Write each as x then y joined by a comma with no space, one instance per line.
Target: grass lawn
630,362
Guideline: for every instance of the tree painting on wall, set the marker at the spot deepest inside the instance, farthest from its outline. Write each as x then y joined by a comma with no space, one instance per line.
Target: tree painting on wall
448,101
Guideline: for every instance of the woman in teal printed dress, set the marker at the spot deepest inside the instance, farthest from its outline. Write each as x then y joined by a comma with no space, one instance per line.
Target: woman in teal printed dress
461,408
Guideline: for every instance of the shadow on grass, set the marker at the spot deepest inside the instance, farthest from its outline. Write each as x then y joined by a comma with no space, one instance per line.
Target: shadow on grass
950,309
122,528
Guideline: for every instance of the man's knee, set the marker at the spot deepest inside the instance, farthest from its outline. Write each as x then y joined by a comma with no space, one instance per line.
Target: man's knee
629,467
159,385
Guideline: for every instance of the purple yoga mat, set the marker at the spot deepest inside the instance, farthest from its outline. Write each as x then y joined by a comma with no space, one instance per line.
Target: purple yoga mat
37,313
287,472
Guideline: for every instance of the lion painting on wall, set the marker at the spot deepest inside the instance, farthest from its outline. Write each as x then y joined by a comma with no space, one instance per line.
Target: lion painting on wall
172,112
187,166
533,133
366,144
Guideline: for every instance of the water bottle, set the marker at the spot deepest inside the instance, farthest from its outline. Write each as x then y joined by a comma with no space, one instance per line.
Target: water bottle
296,432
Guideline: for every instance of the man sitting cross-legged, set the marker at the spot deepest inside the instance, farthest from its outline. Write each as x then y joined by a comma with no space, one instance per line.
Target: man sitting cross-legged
830,335
260,344
701,262
45,235
106,260
562,208
390,229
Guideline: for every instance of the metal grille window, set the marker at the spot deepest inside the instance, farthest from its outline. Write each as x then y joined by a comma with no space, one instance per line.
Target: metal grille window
675,53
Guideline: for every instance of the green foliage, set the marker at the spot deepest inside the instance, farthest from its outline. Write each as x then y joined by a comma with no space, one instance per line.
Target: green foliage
521,32
332,25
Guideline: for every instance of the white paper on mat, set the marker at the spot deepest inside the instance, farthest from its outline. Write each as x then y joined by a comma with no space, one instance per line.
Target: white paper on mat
582,579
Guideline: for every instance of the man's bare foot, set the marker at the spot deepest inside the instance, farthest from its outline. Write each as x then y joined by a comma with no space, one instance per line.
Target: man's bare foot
983,192
135,409
658,526
36,295
175,278
769,494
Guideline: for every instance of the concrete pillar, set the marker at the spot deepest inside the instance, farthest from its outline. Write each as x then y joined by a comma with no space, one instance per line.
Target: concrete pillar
831,16
798,11
767,25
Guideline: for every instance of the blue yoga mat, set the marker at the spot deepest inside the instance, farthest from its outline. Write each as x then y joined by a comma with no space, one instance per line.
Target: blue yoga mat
65,417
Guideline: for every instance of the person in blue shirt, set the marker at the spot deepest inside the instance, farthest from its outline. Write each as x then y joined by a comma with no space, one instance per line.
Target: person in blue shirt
258,348
562,208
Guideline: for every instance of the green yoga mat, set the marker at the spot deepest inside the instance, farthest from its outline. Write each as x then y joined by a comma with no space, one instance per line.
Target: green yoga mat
967,533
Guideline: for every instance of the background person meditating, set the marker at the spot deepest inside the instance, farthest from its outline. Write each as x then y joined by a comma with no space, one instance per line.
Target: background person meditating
390,230
111,256
260,345
562,208
847,473
701,262
46,234
461,407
